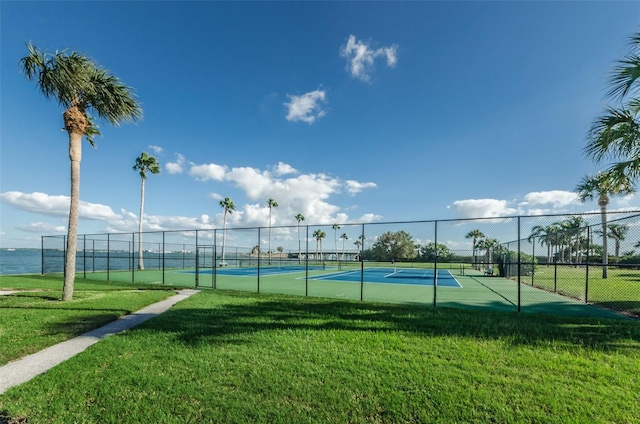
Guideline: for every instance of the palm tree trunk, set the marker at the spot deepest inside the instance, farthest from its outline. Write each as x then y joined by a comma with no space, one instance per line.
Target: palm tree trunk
299,253
602,202
75,155
140,250
224,232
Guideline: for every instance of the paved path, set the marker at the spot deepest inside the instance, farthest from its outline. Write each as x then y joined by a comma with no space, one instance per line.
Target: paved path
25,369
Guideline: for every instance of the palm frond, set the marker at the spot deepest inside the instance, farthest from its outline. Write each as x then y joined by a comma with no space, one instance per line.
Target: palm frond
616,134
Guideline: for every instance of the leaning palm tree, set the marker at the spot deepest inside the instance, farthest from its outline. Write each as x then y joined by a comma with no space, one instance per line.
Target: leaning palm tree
335,227
144,164
228,206
474,235
81,87
299,218
618,232
272,204
602,185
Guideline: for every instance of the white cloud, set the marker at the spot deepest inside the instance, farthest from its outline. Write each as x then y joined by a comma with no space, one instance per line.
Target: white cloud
156,149
177,166
216,196
306,108
369,217
55,205
484,208
354,187
284,169
307,194
556,198
361,57
42,228
207,172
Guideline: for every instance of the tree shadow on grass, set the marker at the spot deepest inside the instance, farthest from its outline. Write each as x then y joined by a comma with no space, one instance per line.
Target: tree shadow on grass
224,321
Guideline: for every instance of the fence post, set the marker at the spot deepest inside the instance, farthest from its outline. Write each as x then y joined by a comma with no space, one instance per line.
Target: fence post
586,282
42,254
214,272
133,256
197,261
164,248
362,267
435,264
259,254
519,267
306,264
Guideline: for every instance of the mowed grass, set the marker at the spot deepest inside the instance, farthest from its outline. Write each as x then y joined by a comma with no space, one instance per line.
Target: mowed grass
235,357
36,318
619,292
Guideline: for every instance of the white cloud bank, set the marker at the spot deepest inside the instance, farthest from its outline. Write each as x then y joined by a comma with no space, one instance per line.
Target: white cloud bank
534,203
307,107
309,194
361,57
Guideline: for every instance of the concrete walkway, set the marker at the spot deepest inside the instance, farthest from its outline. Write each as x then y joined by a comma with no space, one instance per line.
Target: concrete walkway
25,369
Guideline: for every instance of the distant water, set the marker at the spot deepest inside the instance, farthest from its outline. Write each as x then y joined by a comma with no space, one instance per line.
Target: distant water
29,261
20,261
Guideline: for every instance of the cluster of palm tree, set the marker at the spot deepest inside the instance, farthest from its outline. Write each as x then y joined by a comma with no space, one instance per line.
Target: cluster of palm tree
568,241
480,242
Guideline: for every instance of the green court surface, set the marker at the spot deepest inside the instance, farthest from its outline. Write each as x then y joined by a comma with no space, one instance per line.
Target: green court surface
473,289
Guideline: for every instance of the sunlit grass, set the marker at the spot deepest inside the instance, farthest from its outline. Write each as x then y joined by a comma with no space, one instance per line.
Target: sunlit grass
35,318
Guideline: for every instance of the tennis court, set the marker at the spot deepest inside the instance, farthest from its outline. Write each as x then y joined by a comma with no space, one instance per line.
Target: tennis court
419,277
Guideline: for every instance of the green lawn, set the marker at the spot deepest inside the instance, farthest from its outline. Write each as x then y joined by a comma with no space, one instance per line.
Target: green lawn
234,357
36,318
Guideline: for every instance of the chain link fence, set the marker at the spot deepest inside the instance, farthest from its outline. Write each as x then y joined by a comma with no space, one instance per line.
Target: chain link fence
573,263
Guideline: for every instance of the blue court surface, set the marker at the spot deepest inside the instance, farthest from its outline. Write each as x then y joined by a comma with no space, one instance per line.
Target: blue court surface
264,271
412,276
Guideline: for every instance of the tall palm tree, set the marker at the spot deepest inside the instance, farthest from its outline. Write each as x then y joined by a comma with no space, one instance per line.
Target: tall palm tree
474,235
335,227
618,232
144,164
272,204
344,238
229,207
299,217
602,185
80,86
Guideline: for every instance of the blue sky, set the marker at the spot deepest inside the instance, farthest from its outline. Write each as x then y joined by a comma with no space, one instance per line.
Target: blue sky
345,112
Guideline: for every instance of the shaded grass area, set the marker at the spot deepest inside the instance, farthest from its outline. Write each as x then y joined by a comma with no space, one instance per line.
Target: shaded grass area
237,357
34,319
